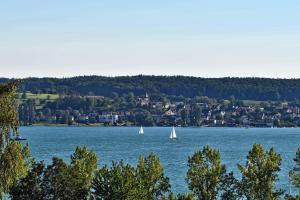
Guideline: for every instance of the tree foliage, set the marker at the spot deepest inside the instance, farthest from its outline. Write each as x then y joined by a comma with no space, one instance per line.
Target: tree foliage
221,88
13,156
59,180
206,177
124,182
205,173
8,112
13,165
117,182
151,177
260,173
230,187
294,173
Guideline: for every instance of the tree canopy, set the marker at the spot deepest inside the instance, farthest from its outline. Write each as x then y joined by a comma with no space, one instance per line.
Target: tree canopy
13,156
8,112
220,88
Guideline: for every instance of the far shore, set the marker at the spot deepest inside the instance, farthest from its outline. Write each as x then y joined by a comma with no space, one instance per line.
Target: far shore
119,125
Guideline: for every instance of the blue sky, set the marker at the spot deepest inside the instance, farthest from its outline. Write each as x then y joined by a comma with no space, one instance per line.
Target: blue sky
163,37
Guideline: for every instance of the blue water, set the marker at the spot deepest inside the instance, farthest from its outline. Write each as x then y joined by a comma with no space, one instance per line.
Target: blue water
116,143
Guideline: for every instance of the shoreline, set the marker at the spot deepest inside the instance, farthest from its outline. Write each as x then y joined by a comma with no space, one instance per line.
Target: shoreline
114,126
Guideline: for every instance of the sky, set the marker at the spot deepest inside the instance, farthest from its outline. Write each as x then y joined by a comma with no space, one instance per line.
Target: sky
215,38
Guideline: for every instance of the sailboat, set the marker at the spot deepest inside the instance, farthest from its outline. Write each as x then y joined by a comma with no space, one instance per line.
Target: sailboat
141,131
19,138
173,134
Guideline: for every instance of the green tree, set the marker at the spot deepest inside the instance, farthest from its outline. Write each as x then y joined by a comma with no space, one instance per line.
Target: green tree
196,115
131,100
59,180
185,116
82,170
55,183
8,113
171,196
229,187
29,187
13,157
205,173
44,183
151,178
294,175
124,182
144,117
185,197
24,95
117,182
13,165
260,174
289,197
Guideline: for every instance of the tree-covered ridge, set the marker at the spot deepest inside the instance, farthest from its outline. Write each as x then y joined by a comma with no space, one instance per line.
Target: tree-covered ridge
220,88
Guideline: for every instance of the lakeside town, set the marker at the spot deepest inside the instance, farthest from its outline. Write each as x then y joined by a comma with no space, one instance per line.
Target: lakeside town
155,110
150,100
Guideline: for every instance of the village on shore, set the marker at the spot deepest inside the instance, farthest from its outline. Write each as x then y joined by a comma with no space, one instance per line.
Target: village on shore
130,110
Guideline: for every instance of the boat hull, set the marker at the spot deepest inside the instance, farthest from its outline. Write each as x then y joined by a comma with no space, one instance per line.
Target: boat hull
19,139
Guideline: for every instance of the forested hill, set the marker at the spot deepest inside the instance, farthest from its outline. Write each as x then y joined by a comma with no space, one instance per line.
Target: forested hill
221,88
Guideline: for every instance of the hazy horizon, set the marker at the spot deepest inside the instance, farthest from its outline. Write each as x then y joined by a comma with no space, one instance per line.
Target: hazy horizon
84,75
116,38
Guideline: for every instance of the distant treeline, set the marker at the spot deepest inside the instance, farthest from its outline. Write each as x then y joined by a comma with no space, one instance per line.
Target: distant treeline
221,88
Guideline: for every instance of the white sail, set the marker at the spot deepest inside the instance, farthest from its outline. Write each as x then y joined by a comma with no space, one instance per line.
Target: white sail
141,131
173,134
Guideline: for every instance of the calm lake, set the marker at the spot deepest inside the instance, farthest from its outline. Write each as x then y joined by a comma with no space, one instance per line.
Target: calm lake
116,143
